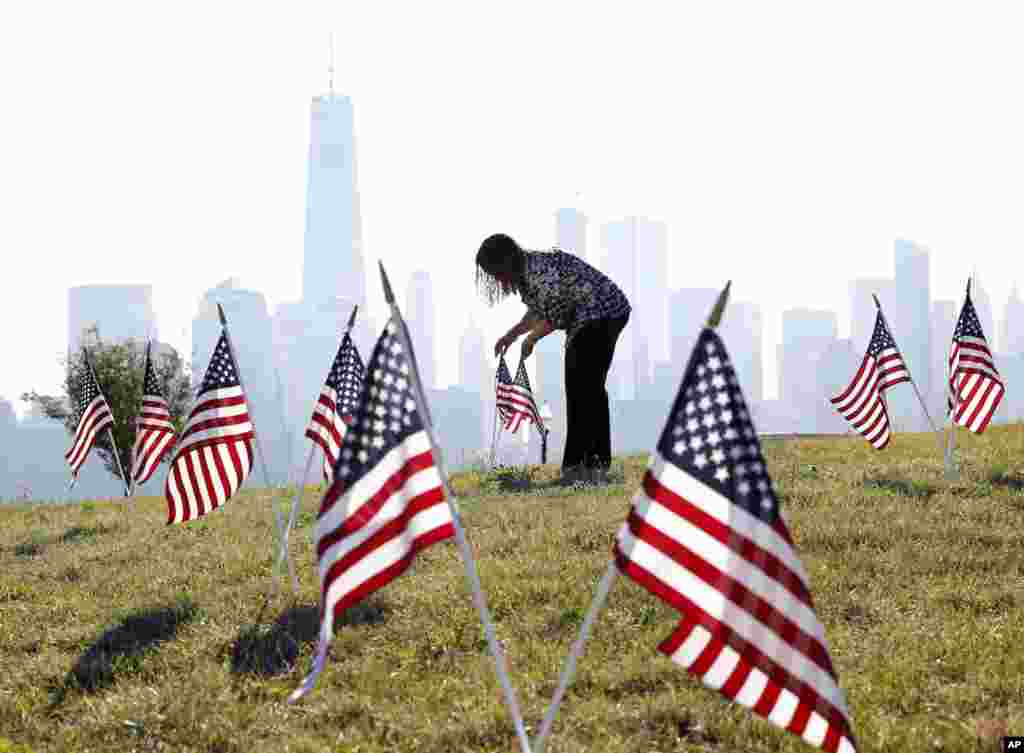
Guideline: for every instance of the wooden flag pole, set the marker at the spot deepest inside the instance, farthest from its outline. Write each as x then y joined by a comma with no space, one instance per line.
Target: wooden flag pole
603,588
924,406
110,433
460,534
256,441
301,486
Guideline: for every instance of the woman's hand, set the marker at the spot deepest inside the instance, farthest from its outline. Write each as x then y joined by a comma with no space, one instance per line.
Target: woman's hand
503,343
527,347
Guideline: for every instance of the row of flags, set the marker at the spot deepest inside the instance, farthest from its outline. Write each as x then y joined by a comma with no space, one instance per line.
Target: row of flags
704,533
975,387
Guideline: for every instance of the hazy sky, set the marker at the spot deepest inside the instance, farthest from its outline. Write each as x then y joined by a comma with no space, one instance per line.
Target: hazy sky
787,144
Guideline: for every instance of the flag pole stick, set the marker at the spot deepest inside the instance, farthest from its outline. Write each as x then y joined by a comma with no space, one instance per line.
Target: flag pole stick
913,384
603,588
110,433
131,490
494,434
950,458
460,534
301,486
256,441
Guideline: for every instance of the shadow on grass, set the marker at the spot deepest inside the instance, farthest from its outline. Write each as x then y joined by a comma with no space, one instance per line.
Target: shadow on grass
901,487
121,650
77,534
271,649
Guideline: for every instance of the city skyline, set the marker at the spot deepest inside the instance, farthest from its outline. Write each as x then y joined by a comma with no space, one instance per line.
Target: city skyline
168,179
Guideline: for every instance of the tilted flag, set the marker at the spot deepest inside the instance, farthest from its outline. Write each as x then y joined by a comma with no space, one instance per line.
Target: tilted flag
515,399
338,400
214,454
861,403
93,416
387,500
974,382
705,535
154,432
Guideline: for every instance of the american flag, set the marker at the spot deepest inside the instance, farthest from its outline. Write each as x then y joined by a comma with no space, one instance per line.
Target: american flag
974,381
515,399
214,453
861,403
705,535
387,500
154,432
93,416
338,400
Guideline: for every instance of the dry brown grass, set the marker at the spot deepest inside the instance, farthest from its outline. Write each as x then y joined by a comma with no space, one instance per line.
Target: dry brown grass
120,633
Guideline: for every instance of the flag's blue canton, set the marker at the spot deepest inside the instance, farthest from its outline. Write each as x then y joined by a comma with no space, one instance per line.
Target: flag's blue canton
880,339
968,325
387,411
151,386
90,391
221,373
346,377
710,435
503,373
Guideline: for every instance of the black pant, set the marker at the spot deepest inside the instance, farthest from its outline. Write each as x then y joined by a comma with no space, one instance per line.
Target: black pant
588,357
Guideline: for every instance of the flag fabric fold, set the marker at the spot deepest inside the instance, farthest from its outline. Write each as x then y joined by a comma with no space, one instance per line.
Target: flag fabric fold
705,535
387,500
862,403
975,386
154,432
515,400
338,400
93,416
215,450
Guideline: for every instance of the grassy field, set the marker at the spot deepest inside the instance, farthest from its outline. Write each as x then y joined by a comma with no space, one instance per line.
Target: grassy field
118,633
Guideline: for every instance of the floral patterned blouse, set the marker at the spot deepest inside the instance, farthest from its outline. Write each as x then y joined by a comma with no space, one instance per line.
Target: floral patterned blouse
568,292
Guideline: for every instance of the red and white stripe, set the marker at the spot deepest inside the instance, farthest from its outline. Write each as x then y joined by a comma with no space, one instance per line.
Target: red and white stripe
214,455
95,418
327,428
750,630
154,434
861,403
369,533
516,404
975,382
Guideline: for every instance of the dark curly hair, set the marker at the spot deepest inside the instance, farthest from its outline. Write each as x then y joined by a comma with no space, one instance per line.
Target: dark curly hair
500,265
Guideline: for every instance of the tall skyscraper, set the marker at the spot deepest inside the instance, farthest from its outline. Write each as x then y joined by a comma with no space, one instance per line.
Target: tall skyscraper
1011,338
807,335
688,312
943,320
571,232
909,319
121,312
636,258
983,305
742,329
863,310
473,366
419,308
333,255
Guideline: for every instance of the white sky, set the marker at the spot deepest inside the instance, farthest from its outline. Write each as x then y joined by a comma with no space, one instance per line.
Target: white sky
787,144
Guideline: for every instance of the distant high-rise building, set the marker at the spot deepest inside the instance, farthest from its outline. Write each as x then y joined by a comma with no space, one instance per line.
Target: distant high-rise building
419,313
636,258
1011,338
120,312
909,321
983,305
943,320
473,368
333,256
863,309
249,326
571,232
688,312
742,330
807,335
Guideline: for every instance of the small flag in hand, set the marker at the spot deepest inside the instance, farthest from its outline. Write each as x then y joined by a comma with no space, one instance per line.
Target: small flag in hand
705,535
974,382
338,400
515,399
154,431
93,416
214,453
387,499
861,403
